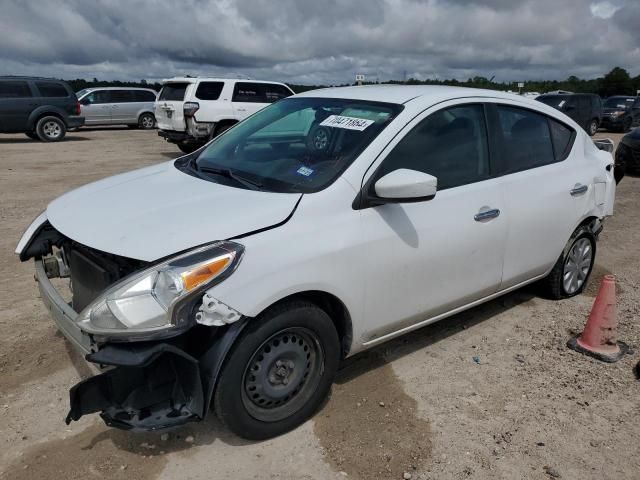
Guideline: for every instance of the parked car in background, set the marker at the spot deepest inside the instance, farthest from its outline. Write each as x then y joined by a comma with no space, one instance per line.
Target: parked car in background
118,106
41,108
628,155
192,110
239,276
584,108
620,113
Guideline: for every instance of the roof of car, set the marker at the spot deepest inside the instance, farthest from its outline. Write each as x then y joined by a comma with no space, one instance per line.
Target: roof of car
91,89
405,93
216,79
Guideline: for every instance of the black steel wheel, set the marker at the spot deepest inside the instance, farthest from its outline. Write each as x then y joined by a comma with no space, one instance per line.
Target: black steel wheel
279,371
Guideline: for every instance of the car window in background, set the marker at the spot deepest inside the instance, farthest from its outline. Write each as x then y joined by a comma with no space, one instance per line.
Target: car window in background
52,90
98,96
121,96
14,89
527,139
596,102
450,144
209,90
562,138
619,102
173,91
249,92
297,145
143,96
274,92
556,101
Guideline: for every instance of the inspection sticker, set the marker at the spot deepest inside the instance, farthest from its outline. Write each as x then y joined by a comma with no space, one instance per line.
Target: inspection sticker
306,171
350,123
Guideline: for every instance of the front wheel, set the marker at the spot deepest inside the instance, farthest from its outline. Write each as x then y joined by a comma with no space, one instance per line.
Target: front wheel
279,371
592,128
571,272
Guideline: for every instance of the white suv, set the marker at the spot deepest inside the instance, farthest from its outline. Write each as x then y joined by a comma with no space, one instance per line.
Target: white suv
190,111
240,275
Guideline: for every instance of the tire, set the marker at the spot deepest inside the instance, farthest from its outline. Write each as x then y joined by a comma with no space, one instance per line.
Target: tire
147,121
220,129
32,135
279,371
188,147
554,285
51,129
592,127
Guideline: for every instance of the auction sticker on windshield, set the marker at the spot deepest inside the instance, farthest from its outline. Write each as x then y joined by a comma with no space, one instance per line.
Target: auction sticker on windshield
350,123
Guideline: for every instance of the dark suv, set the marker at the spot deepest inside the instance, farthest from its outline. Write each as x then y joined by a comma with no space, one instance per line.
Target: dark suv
42,108
621,113
584,108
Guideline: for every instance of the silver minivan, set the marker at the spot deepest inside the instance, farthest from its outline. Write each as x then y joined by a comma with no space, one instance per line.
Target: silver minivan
118,106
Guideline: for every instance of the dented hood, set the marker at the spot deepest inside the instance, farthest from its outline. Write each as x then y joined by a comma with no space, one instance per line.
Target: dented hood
157,211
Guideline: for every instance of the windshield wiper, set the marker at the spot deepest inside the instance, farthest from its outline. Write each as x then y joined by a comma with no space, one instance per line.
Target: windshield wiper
228,173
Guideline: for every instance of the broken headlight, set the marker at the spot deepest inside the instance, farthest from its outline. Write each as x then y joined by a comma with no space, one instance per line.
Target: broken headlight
158,301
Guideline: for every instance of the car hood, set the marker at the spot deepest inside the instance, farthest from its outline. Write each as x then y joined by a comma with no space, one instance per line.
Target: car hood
157,211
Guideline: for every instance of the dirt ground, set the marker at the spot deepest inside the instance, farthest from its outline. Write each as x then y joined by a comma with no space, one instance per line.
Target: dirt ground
492,393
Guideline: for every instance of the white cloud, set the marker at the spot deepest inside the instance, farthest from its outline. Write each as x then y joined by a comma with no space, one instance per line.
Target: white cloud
603,10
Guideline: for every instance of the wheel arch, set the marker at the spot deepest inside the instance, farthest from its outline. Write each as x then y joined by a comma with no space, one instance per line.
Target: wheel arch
37,114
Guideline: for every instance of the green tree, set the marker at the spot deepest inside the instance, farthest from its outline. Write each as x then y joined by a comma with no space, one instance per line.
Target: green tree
616,82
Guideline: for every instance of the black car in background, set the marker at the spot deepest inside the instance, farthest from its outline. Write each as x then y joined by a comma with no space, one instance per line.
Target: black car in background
620,113
41,108
584,108
628,155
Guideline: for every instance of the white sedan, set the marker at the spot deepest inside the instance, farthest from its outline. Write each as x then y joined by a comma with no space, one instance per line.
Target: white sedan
242,274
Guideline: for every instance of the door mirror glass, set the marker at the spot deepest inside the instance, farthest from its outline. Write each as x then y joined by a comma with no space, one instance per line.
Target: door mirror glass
405,185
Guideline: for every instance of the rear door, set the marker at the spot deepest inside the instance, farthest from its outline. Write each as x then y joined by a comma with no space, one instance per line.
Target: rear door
248,98
169,106
635,110
16,103
123,108
538,185
96,107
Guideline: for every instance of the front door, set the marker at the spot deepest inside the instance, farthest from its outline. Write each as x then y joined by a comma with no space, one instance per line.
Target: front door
430,257
96,107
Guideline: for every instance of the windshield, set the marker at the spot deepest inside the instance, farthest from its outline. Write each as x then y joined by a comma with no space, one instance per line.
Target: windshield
295,145
619,102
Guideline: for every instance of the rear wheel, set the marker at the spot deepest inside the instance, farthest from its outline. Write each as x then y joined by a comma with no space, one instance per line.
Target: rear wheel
592,127
50,129
571,272
279,371
146,121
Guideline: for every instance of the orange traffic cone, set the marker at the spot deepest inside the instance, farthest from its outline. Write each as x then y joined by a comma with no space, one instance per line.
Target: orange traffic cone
599,336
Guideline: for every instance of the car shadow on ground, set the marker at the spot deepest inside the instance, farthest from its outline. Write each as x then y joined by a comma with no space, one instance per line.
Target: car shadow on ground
172,154
69,138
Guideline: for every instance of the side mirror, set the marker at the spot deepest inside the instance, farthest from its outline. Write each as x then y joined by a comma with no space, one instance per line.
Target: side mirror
404,185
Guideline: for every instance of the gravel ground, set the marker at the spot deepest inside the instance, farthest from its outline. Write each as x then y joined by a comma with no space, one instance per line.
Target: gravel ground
419,407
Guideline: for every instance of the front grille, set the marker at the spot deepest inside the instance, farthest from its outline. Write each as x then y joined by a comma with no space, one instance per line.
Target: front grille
93,271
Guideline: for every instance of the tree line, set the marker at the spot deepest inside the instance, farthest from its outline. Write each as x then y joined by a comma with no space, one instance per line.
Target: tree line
616,82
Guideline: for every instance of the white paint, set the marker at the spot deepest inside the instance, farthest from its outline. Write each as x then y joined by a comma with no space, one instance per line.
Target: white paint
405,183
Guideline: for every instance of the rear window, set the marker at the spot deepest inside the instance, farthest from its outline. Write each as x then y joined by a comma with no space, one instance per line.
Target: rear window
143,96
173,91
14,89
249,92
209,90
275,92
52,89
562,138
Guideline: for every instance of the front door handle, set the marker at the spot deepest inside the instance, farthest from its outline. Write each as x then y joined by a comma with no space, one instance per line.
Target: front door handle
242,109
486,214
579,189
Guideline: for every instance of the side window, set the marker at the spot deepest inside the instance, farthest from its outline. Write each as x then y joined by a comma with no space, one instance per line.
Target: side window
450,144
14,89
52,90
526,139
209,90
275,92
562,138
99,96
249,92
121,96
143,96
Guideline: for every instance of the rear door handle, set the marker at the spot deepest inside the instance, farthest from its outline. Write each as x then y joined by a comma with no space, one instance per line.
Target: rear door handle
486,215
579,189
242,109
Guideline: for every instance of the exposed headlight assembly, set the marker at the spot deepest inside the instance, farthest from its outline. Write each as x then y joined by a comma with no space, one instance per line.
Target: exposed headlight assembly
160,301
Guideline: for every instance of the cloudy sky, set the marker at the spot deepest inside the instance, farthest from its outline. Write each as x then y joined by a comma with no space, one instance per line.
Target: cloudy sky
319,41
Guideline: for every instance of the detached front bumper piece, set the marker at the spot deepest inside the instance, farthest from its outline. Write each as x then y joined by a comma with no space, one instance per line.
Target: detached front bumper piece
152,387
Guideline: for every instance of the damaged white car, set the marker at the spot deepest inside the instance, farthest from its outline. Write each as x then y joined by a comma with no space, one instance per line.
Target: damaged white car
238,277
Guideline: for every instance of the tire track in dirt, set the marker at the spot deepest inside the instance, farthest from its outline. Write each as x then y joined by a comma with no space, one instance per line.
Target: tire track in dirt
370,427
